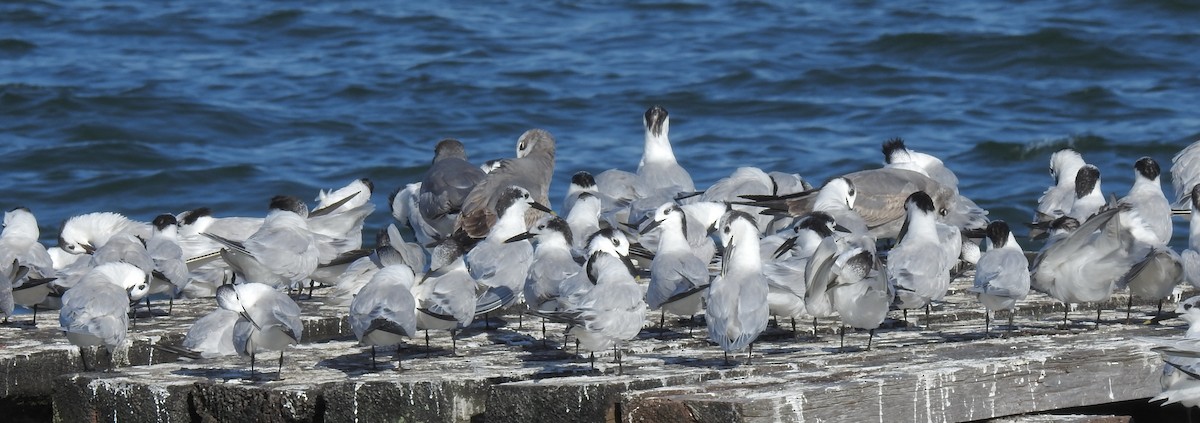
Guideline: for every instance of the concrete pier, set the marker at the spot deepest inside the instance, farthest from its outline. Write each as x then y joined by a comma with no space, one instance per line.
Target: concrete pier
943,369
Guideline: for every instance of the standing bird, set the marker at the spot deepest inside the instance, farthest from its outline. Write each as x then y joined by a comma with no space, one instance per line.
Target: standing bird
383,312
785,267
1185,173
170,273
96,311
406,209
584,219
1157,274
270,320
609,311
531,170
1147,198
446,185
1191,255
581,182
737,298
22,255
919,266
1084,264
282,253
1002,273
500,263
1088,196
659,176
445,296
552,263
678,278
1181,357
212,335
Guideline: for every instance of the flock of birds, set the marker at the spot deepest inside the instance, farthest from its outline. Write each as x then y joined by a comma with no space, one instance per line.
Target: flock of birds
484,241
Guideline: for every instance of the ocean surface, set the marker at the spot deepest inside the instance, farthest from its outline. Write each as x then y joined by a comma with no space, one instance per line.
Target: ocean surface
146,107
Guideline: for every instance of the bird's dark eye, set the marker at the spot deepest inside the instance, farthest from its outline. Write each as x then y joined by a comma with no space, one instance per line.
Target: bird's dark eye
943,212
1187,306
521,147
617,242
726,229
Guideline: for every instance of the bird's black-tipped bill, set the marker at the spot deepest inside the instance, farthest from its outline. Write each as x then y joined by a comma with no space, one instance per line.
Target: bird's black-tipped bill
650,226
519,237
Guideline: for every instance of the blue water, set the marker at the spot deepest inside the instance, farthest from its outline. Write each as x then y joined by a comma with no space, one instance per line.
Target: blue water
145,107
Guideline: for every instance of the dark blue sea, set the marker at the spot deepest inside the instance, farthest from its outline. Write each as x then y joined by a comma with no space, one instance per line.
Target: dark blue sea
145,107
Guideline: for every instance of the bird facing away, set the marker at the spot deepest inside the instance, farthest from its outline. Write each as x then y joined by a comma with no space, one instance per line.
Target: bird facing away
383,312
446,185
282,253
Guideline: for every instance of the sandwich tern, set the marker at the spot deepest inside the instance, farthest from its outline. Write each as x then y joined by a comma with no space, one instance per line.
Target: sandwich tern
737,309
383,312
269,320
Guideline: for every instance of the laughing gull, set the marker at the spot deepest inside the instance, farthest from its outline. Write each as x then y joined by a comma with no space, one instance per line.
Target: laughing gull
531,170
446,185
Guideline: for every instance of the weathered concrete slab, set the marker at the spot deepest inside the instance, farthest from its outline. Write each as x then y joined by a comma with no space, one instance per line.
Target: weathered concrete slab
32,355
947,382
943,370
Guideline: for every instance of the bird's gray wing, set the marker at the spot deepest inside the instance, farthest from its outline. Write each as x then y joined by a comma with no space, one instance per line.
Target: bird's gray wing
446,186
96,308
212,335
285,250
386,300
453,295
1185,173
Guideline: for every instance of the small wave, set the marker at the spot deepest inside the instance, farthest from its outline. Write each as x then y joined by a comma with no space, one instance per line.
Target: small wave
277,19
1017,151
12,47
1047,47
